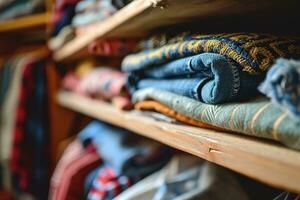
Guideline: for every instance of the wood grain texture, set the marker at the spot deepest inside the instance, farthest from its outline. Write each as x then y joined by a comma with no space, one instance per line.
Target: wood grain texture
36,21
141,17
259,159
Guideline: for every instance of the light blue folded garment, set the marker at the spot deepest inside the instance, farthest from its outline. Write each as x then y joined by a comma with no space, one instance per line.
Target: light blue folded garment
91,11
282,85
126,153
87,18
20,8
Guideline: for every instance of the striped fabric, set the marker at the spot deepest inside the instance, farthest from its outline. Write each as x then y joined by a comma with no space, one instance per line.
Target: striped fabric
108,185
257,118
161,108
68,178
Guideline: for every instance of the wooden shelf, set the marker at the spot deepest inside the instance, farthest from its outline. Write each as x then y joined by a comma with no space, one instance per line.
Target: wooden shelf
36,21
141,17
259,159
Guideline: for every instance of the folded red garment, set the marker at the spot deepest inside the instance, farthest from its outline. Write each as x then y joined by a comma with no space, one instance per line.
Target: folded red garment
112,47
102,83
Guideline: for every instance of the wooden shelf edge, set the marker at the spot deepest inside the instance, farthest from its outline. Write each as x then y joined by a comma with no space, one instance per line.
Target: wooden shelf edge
100,29
267,162
26,22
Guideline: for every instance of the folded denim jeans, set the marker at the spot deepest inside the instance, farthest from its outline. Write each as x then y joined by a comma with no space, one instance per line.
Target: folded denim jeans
212,69
256,118
207,77
282,85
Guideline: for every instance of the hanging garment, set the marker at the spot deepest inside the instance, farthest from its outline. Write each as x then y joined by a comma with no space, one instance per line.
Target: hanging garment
282,85
186,178
8,115
29,163
67,181
209,68
256,118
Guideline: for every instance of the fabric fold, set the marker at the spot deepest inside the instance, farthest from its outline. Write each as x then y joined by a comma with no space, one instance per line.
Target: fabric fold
209,68
282,85
256,118
158,107
126,153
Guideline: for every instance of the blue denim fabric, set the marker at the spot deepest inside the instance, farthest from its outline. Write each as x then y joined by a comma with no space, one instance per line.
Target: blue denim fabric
65,20
207,77
126,153
282,85
37,135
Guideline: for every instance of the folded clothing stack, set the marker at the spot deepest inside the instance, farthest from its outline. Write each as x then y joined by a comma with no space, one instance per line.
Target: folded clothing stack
127,158
209,68
10,9
181,76
101,83
256,118
23,125
113,163
90,11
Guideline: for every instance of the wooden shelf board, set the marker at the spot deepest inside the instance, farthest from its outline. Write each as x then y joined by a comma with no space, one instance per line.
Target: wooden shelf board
27,22
260,159
141,17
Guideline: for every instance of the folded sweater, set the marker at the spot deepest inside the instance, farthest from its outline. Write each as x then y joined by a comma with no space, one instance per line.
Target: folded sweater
256,118
209,68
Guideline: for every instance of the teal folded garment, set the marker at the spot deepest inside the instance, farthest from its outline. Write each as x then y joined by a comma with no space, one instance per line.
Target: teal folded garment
20,8
258,118
90,11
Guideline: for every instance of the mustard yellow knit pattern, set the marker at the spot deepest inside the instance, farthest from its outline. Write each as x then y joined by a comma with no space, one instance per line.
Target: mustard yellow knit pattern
254,53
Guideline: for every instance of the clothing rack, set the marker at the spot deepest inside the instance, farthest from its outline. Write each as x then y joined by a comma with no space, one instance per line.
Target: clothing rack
260,159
